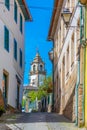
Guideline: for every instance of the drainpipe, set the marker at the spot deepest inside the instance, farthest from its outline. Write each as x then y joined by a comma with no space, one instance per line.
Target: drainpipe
83,43
76,89
83,97
83,63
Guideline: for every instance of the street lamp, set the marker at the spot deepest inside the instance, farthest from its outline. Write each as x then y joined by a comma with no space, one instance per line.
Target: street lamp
66,15
51,55
83,2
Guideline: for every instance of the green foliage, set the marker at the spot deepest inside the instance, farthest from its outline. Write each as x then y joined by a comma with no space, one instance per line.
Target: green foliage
2,109
47,84
32,95
42,91
23,102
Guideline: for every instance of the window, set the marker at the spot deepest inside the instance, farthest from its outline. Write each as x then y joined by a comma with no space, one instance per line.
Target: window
21,23
34,68
41,67
6,39
33,81
15,49
7,4
15,11
20,58
78,37
67,63
72,49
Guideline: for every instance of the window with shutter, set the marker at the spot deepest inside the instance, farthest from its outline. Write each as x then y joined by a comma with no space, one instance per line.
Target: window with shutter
6,38
15,49
21,23
72,50
7,4
15,11
20,58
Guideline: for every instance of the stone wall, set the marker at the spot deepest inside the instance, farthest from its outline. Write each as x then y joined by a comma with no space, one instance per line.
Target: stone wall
80,105
69,110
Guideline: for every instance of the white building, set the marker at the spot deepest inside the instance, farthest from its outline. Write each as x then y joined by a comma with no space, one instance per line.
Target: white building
13,14
37,72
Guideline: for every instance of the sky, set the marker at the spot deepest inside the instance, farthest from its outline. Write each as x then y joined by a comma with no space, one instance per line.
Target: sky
36,33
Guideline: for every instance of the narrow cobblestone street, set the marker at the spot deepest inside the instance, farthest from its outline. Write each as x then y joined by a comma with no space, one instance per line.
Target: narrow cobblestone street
36,121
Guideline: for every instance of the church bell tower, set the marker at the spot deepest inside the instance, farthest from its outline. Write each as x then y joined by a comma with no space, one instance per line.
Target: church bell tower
37,72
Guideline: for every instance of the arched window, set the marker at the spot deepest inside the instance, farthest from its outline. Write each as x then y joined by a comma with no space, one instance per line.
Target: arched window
41,67
34,68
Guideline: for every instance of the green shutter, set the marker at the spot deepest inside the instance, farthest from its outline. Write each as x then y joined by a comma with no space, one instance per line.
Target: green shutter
15,11
15,49
7,4
6,39
20,58
21,23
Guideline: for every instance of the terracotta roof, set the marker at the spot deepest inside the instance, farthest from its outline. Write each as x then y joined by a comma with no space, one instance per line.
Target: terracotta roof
25,10
54,20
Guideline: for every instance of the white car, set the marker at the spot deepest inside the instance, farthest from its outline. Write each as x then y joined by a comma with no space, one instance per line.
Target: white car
23,109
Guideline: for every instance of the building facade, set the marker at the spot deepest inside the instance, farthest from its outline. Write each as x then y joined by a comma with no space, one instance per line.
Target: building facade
68,59
37,72
12,18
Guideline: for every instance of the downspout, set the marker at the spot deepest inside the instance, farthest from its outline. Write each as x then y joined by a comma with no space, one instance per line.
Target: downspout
83,96
77,84
83,103
76,89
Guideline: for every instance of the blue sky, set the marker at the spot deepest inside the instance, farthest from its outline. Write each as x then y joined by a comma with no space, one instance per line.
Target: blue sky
36,33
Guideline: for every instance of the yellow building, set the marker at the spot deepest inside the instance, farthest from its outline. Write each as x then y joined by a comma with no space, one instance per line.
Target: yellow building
84,2
86,76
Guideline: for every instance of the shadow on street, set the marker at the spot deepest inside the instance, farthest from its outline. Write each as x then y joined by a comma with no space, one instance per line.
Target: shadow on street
34,118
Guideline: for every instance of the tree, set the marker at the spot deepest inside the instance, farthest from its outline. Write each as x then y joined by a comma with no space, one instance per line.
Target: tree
32,95
47,84
43,90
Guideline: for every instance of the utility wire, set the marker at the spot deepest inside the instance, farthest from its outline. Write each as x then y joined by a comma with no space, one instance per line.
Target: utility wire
39,7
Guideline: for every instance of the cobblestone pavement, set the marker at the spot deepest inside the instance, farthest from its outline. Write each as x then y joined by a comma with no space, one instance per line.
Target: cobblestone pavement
36,121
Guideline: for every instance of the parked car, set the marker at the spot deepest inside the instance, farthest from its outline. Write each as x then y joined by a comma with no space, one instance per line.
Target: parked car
23,109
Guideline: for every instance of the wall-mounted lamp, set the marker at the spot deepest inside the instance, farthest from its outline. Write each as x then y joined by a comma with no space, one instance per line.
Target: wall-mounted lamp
84,2
51,55
66,15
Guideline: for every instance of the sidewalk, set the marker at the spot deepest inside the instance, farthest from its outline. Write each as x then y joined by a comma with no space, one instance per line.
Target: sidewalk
59,122
6,118
63,126
4,127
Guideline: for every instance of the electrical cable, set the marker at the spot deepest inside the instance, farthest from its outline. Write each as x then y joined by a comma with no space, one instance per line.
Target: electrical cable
39,7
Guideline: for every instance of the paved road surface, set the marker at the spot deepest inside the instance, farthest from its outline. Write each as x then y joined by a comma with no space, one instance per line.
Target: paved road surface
36,121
